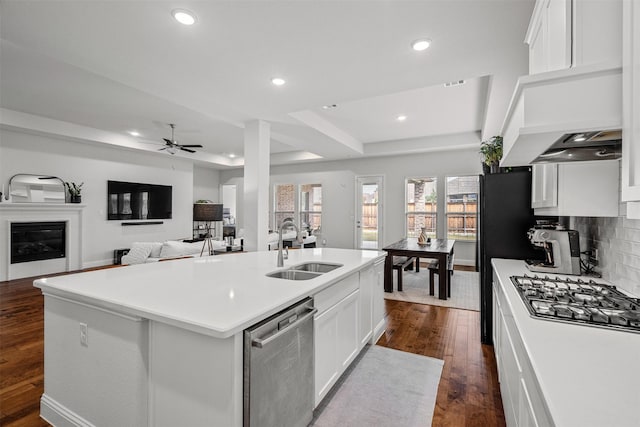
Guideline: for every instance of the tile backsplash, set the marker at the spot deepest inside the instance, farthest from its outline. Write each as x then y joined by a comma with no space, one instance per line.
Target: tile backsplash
618,243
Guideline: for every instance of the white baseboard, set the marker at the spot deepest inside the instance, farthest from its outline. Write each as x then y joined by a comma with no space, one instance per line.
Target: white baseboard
60,416
99,263
467,262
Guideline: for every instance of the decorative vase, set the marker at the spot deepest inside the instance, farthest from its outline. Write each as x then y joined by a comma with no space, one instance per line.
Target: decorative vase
75,198
422,238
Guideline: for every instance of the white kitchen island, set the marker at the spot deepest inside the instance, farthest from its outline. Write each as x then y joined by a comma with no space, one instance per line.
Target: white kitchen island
161,344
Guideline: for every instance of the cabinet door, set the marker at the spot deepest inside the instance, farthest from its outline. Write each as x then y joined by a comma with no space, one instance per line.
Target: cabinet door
510,374
558,35
549,36
367,282
585,189
527,413
326,357
631,104
537,59
544,186
347,323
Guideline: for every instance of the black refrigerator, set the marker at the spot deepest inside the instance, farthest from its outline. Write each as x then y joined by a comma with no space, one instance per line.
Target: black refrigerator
505,216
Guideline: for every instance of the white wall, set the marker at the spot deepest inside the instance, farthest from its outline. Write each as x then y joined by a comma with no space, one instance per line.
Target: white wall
95,165
338,190
206,184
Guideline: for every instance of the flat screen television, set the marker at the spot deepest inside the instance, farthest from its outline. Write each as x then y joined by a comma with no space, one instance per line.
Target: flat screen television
134,200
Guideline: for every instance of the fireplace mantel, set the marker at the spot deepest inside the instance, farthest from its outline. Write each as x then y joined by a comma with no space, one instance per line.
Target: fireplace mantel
71,213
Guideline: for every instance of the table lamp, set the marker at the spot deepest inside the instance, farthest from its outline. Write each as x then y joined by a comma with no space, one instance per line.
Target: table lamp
207,212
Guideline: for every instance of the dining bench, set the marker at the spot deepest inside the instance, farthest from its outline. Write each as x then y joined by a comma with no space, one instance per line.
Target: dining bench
402,263
433,270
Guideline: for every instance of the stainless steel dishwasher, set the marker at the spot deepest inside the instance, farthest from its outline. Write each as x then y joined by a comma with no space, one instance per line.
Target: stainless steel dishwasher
278,369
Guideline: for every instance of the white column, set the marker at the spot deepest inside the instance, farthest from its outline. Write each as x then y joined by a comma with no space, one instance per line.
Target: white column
257,140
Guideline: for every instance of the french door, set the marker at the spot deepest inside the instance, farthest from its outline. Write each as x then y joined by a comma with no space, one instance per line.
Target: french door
369,190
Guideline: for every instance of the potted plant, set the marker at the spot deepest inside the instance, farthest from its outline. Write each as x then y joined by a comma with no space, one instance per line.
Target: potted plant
491,151
74,191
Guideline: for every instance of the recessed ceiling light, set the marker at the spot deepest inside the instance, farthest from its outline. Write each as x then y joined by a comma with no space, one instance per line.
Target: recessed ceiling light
329,106
420,45
232,155
134,133
278,81
401,118
184,16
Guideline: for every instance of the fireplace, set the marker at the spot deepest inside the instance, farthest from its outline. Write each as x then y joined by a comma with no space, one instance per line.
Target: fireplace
37,241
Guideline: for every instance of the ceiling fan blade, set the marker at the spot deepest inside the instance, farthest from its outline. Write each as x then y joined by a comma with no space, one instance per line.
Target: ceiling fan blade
163,148
191,145
168,141
186,149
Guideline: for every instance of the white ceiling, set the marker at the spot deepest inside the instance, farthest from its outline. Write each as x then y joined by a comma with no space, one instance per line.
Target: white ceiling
116,66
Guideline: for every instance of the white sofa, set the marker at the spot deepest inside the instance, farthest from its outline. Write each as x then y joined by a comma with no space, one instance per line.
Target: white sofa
144,252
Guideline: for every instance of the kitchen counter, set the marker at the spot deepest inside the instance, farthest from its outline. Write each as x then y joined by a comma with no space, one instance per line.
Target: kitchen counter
589,377
162,344
216,296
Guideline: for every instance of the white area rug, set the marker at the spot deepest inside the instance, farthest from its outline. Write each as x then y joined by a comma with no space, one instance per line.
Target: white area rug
465,289
385,387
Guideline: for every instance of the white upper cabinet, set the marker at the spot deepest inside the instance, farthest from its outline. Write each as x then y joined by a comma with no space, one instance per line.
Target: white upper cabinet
570,33
631,108
576,189
575,77
549,36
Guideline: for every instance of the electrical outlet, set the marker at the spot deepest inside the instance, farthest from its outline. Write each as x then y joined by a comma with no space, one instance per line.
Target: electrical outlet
324,242
84,334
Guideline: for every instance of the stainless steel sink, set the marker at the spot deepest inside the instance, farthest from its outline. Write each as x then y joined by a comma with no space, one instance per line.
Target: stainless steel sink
316,267
293,274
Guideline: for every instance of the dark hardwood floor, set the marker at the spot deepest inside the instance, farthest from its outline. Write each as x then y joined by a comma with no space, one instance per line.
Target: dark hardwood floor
468,394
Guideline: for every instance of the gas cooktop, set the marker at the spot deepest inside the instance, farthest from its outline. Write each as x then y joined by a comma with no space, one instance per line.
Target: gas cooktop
578,301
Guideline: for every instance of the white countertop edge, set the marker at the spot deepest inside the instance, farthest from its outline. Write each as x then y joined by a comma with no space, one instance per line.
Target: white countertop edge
323,282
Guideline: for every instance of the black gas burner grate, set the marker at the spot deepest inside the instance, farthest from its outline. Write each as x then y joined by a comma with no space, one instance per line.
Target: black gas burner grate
578,301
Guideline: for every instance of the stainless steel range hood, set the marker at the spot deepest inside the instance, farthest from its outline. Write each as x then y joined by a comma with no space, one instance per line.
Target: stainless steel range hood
584,146
550,114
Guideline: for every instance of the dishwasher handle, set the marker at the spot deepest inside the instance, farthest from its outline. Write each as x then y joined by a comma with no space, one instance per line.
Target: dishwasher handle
260,342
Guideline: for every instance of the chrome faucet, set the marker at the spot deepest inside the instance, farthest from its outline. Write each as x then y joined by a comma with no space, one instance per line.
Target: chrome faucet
280,244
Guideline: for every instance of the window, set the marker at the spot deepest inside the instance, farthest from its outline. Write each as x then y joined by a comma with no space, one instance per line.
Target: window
311,207
301,204
422,204
462,207
284,204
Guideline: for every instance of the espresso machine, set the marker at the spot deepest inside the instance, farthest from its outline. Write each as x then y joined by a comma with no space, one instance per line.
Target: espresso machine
561,249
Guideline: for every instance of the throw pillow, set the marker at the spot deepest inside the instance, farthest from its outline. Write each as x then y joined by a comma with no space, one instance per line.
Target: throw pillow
173,248
138,254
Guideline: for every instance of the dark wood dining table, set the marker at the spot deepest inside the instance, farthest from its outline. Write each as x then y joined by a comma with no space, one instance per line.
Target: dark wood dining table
440,249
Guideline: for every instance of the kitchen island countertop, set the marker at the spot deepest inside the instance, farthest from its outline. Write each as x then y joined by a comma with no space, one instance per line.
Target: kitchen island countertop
589,376
216,295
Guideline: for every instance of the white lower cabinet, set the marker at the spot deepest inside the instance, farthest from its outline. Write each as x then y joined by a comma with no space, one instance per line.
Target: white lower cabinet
523,402
350,315
337,332
336,343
